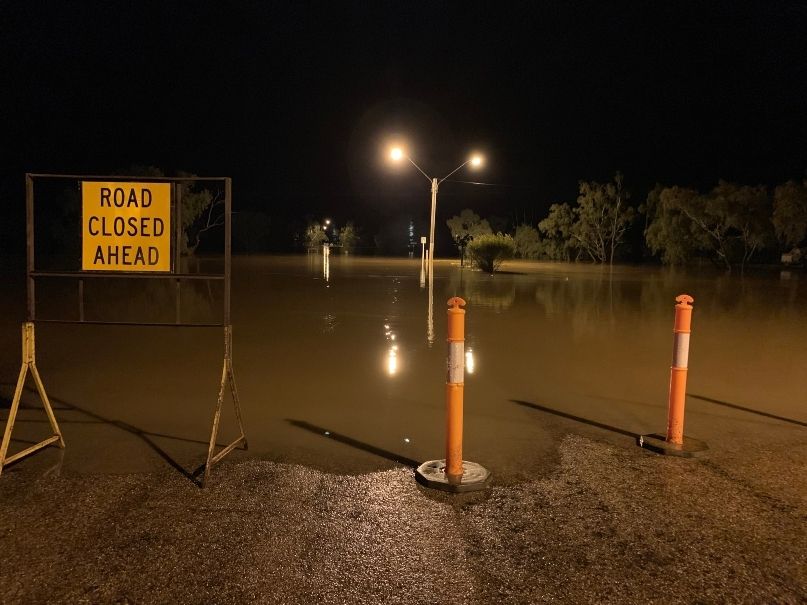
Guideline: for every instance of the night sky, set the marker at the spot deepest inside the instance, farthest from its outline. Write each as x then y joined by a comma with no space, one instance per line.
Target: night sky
295,100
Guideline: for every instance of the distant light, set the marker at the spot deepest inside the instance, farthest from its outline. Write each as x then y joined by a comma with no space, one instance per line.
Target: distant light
469,361
406,439
476,161
327,221
327,432
396,153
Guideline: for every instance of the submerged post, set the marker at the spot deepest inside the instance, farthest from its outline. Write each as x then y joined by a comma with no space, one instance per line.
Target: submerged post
674,442
453,474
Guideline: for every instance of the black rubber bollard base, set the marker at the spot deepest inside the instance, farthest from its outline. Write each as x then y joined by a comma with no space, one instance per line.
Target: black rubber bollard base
691,448
433,474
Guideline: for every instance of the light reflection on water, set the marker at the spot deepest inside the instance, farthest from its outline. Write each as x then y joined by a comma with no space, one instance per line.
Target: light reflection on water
326,263
470,363
392,361
430,312
392,351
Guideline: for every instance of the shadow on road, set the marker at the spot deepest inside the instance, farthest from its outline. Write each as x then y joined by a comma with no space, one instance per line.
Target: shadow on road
328,434
599,425
145,436
745,409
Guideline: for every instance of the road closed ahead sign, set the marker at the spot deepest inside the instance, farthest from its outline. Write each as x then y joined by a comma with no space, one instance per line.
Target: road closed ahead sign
126,226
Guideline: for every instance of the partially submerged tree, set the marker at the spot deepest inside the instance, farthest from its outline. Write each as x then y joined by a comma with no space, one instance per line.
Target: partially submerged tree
668,230
314,235
348,237
557,231
749,216
527,242
489,251
621,216
202,211
602,216
730,223
790,214
465,227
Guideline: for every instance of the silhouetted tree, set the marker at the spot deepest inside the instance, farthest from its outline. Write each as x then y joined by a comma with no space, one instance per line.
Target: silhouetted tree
348,237
730,223
602,217
489,251
669,231
314,235
527,242
790,214
465,227
557,231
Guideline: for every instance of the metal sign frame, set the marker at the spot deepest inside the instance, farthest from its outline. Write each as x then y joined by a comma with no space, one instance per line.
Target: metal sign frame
32,275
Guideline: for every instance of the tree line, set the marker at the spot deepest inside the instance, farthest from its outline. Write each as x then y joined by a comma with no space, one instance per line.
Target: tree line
731,225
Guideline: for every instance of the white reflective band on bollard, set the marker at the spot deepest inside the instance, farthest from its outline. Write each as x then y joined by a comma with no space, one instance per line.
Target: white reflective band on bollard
681,350
456,362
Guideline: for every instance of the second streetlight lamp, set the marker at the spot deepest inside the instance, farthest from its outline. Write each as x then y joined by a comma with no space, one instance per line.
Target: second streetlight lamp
396,154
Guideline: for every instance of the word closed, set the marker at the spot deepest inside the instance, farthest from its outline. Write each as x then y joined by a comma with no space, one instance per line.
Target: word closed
126,226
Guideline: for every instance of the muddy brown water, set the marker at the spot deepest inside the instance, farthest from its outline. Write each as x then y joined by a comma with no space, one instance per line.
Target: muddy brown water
340,366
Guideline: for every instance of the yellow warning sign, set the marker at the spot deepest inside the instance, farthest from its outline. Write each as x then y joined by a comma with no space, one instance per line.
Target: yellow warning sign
126,226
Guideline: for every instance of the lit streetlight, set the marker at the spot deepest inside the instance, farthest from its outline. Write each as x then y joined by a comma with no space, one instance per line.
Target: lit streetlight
397,154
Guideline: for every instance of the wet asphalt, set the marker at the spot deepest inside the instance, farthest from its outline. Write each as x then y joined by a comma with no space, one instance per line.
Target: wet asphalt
605,524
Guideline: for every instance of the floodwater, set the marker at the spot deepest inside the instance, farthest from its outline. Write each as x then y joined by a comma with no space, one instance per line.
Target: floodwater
340,362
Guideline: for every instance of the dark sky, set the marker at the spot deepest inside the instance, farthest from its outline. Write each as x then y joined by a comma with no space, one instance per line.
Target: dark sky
294,99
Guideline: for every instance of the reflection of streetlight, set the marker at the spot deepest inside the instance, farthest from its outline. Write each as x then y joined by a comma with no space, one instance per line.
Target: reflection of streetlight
422,262
430,312
469,361
396,154
392,351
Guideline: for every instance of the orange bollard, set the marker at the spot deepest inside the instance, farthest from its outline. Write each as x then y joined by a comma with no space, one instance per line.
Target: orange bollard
455,386
678,371
674,442
454,474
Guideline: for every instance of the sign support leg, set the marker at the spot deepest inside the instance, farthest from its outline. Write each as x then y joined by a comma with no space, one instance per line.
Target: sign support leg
227,377
28,365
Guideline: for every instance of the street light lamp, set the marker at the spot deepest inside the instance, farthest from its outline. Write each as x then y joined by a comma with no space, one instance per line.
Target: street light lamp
396,154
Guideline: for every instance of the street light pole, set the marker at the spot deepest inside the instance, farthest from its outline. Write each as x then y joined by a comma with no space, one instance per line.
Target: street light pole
435,184
397,154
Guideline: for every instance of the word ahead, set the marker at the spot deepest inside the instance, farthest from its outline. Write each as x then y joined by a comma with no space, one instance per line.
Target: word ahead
126,226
